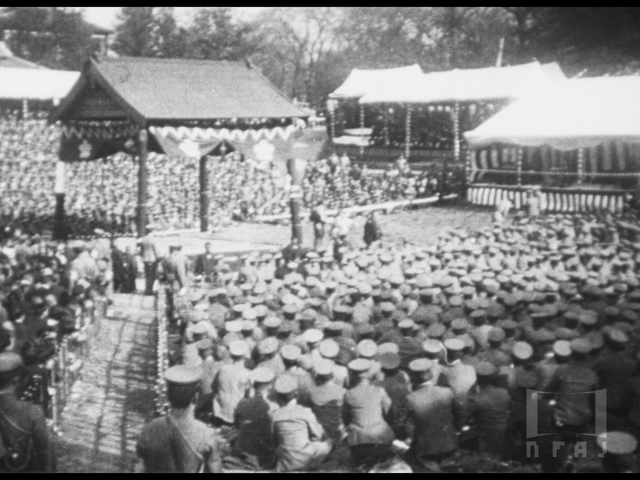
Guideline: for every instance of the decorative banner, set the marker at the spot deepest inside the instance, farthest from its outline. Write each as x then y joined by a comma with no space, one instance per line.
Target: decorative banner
91,144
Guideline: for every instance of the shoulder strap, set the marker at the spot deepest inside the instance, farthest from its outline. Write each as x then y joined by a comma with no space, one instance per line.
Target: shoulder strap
10,422
189,443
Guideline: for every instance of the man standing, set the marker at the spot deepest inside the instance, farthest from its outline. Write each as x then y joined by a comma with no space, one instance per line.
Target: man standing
174,273
372,232
205,264
177,442
23,426
318,219
149,254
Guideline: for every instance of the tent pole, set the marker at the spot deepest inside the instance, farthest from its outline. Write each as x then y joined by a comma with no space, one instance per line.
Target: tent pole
519,166
142,182
361,149
59,232
295,198
204,195
580,165
456,132
407,142
386,127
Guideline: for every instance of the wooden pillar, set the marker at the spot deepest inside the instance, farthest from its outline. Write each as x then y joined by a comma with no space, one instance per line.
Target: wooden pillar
59,230
295,199
386,127
407,142
519,167
468,171
143,180
361,149
204,195
580,166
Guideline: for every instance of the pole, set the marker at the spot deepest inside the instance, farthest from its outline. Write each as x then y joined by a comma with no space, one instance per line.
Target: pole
295,198
407,141
456,132
500,51
204,195
142,182
386,127
361,149
59,231
580,165
519,166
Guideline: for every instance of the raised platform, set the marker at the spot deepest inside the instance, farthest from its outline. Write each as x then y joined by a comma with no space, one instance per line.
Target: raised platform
552,199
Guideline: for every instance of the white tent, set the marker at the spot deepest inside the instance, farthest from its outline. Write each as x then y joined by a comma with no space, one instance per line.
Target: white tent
363,82
479,84
578,113
35,84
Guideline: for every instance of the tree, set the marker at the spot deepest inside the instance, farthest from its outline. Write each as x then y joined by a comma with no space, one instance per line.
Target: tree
134,32
167,39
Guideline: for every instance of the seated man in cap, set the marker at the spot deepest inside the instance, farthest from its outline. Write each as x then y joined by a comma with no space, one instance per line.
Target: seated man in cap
456,375
253,446
326,399
23,427
397,385
366,410
177,442
434,415
298,435
232,383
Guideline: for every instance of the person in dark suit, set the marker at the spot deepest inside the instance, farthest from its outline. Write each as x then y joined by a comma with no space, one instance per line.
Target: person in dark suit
253,446
372,231
366,410
118,263
434,415
206,264
132,270
21,423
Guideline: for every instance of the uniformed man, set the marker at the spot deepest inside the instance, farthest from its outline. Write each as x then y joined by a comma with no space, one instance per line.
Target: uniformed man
326,400
177,442
23,427
148,251
205,264
232,383
298,435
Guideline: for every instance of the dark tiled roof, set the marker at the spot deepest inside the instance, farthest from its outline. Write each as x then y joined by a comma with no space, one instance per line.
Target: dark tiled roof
170,89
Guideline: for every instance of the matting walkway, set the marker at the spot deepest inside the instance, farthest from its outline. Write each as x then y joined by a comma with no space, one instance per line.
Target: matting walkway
114,397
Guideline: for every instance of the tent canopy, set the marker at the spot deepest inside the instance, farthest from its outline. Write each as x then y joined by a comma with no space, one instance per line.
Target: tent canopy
363,82
36,83
161,90
479,84
578,113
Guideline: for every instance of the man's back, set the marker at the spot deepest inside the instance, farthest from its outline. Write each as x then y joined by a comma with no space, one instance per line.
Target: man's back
326,402
230,387
569,380
253,422
365,409
167,447
148,249
490,408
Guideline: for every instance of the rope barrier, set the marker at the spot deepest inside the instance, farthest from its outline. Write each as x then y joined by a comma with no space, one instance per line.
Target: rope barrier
529,172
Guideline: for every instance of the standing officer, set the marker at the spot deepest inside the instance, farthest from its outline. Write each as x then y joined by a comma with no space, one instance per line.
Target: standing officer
177,442
205,264
174,273
149,254
23,427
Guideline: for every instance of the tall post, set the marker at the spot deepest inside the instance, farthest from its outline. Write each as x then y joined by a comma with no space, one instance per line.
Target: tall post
386,127
59,230
143,179
204,195
456,131
519,167
295,198
407,140
580,166
361,149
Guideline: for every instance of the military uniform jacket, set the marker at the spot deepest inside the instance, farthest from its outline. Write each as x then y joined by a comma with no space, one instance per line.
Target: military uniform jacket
164,448
148,249
569,379
230,386
433,415
459,377
326,403
366,409
253,423
490,409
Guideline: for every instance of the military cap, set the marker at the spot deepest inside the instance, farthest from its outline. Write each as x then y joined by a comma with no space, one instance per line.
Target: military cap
507,325
360,365
420,365
422,281
406,324
542,336
233,326
522,350
201,328
10,362
183,375
364,329
286,384
454,344
333,327
272,322
290,309
596,339
313,335
239,348
581,346
617,443
323,367
387,307
496,335
565,333
460,324
367,348
204,344
589,318
432,346
525,379
630,316
389,360
249,314
329,348
435,330
562,348
268,346
477,315
290,352
240,307
618,337
623,327
485,369
388,347
262,375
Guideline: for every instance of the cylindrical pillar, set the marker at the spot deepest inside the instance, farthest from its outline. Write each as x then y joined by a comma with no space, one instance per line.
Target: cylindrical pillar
204,195
295,198
142,182
59,230
580,166
361,149
519,167
386,127
407,141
